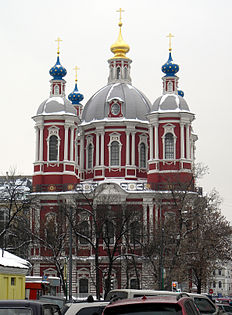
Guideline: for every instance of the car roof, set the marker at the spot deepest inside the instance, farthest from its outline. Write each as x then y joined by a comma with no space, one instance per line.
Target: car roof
24,303
154,299
75,307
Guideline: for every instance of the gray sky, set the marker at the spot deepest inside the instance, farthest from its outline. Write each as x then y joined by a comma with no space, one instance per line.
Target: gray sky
202,47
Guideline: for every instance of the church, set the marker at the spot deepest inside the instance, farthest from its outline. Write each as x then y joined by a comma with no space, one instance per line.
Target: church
118,144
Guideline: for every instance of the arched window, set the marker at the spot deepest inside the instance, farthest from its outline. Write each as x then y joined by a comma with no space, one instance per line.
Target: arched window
118,72
109,233
142,155
90,156
169,146
83,285
84,230
56,90
125,72
114,153
53,148
135,234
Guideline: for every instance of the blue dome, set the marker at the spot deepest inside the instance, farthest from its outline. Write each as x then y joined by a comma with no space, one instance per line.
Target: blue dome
181,93
58,72
75,97
169,68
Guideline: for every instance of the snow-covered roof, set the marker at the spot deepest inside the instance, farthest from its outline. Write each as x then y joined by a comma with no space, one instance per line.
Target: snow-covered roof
56,105
9,260
170,102
135,105
20,186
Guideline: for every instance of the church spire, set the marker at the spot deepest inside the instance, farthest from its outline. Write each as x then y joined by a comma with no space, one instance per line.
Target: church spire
119,63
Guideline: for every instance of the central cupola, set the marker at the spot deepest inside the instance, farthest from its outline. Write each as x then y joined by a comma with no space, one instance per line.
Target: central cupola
119,64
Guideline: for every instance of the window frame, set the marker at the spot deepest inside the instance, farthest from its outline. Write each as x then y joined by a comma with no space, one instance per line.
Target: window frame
169,129
53,131
115,137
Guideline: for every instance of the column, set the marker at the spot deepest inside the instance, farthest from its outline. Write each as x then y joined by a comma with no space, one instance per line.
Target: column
187,142
41,143
133,149
82,152
36,143
127,147
71,143
182,140
66,126
145,220
151,143
97,149
156,143
102,148
151,220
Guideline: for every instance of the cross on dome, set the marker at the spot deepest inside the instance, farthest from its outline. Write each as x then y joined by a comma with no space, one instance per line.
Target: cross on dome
120,17
75,69
170,41
58,40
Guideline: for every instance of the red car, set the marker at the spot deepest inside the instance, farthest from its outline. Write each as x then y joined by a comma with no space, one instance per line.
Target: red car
158,305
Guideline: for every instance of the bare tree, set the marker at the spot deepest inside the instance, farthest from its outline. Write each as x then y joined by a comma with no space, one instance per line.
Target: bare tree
15,213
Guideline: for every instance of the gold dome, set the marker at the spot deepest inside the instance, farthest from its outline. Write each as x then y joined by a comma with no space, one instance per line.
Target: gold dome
120,48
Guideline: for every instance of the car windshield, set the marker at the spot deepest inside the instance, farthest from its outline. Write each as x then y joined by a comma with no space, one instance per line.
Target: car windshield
204,305
145,309
15,311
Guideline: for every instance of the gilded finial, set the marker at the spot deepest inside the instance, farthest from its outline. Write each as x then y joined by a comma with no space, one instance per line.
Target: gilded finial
120,48
170,41
58,40
76,68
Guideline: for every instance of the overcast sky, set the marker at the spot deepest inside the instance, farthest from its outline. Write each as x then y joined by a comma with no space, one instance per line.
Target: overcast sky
202,47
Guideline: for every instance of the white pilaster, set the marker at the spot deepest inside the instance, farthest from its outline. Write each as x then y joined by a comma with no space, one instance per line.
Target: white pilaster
182,139
71,143
41,143
156,142
97,149
36,143
102,148
187,142
82,152
127,147
66,142
151,220
133,148
151,143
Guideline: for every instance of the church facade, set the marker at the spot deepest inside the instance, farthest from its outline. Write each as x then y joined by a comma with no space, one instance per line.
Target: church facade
118,144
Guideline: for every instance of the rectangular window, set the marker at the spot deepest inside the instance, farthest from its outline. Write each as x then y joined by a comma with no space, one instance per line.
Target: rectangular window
13,281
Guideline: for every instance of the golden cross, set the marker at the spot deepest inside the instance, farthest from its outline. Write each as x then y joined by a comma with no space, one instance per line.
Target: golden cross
58,40
120,18
170,38
76,68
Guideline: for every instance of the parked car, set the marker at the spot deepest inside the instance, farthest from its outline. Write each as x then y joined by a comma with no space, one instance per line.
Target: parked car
170,304
28,307
204,304
225,308
84,308
60,301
